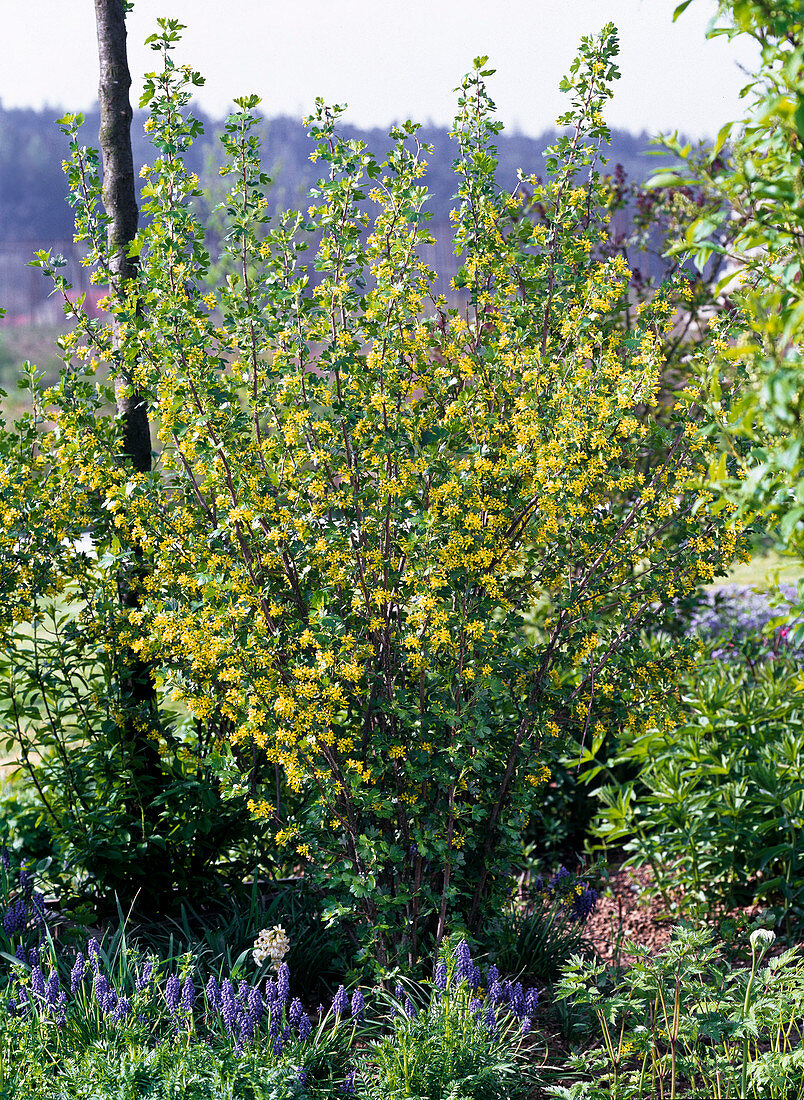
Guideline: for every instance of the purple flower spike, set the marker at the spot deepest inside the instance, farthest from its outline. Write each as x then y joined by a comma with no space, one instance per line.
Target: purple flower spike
340,1002
493,975
525,1026
38,983
349,1085
228,1006
296,1011
172,994
490,1019
475,1006
38,907
283,983
558,878
516,999
122,1009
213,993
584,904
145,977
531,1002
410,1008
495,992
52,990
301,1075
77,973
305,1027
358,1005
15,919
465,967
278,1044
26,883
5,862
440,977
187,995
256,1006
246,1029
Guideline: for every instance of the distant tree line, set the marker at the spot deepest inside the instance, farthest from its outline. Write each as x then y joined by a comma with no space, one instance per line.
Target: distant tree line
33,188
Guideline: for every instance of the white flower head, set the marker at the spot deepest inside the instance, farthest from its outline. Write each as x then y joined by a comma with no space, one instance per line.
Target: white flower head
762,939
273,944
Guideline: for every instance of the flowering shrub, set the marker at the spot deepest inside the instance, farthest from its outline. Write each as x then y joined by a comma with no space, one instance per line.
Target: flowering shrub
361,492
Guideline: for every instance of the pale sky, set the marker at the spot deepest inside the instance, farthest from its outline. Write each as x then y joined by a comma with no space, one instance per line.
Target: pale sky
390,60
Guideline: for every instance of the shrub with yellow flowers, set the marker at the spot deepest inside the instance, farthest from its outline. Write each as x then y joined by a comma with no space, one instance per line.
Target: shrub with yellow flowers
362,491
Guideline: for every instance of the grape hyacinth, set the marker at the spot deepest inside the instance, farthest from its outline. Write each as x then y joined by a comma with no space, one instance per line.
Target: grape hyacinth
93,951
172,994
584,904
256,1006
213,993
296,1012
358,1006
465,966
340,1002
440,977
78,971
38,983
187,996
15,918
144,978
305,1027
52,990
283,983
228,1006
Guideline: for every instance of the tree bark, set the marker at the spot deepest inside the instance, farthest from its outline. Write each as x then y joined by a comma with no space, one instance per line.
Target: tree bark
136,682
120,199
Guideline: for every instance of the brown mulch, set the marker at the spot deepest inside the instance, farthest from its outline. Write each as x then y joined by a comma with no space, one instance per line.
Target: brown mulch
632,909
629,909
